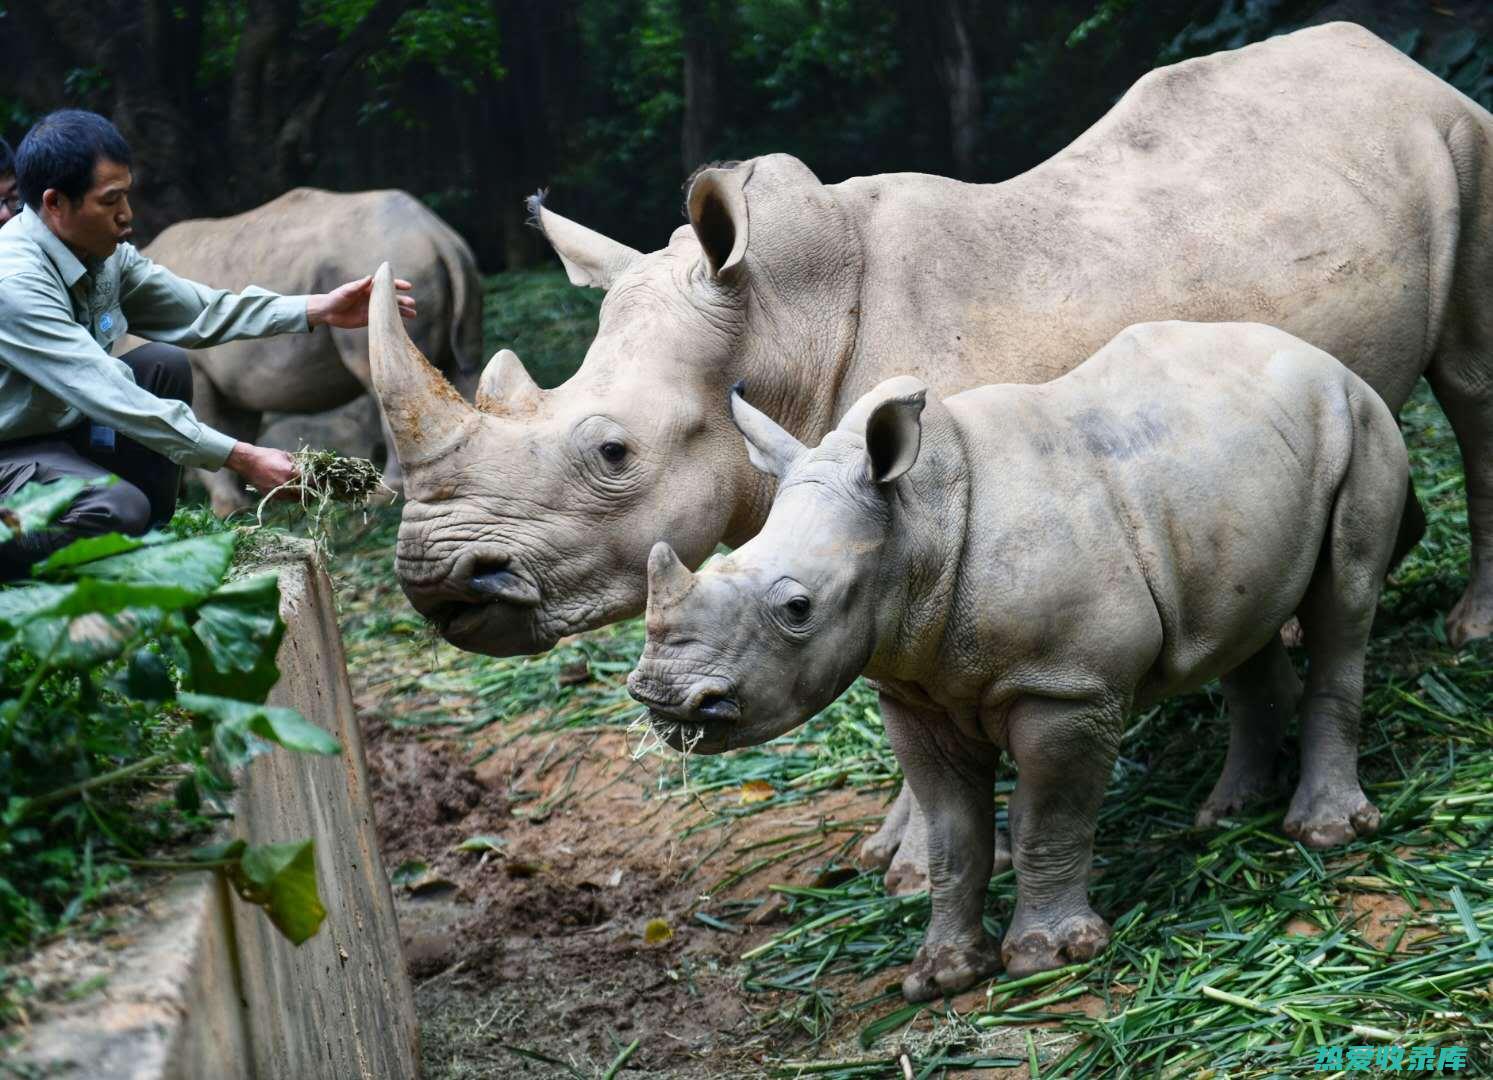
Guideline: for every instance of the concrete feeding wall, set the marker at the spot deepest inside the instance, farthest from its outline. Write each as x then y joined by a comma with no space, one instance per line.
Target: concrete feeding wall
203,985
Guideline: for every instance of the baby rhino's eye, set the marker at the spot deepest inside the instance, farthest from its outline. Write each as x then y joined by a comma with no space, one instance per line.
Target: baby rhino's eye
797,608
613,451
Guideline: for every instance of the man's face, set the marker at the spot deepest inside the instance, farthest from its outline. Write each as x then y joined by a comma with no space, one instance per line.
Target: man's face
10,198
95,224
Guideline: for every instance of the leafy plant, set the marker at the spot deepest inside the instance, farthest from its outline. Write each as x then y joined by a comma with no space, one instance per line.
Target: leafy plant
132,685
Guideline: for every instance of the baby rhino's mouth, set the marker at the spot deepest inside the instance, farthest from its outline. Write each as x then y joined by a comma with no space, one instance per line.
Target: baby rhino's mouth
701,719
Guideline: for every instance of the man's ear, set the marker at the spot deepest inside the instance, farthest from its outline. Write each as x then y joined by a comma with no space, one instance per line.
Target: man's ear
769,448
894,435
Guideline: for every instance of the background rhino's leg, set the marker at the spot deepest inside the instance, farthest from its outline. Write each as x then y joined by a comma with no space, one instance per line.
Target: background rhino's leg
906,829
951,776
1329,807
1464,386
1064,751
1262,692
1461,371
224,488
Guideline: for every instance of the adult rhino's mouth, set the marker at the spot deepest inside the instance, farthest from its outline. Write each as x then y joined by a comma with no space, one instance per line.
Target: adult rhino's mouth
496,627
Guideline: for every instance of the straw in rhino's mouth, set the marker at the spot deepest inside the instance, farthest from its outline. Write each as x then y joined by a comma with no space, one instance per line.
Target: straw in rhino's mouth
660,730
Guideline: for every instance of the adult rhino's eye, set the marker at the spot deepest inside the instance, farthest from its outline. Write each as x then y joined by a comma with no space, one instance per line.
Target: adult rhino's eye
797,609
613,451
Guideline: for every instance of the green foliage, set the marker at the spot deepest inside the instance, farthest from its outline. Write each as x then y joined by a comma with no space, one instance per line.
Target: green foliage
543,318
133,680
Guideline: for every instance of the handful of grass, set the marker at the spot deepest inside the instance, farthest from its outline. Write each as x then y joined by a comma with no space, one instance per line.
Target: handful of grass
326,477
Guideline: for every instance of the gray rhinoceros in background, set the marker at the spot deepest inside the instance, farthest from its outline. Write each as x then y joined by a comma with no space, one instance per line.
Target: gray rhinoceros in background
1019,567
311,241
1321,182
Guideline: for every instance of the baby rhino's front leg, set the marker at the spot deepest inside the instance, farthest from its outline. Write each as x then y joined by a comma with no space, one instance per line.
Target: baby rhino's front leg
951,776
1064,751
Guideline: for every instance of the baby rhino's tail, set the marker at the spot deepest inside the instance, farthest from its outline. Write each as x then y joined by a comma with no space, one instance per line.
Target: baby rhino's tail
1364,524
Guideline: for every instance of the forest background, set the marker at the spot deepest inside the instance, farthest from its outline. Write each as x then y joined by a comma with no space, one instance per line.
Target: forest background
473,104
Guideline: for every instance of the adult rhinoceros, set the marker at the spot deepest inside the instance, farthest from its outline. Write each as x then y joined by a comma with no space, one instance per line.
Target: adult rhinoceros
1320,182
303,242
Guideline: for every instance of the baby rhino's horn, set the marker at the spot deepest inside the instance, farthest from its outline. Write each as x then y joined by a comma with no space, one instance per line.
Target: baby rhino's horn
669,580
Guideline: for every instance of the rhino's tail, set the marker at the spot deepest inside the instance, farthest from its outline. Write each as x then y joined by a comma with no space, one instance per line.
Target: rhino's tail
466,303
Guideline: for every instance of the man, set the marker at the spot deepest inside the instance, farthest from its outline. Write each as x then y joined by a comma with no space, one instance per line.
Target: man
10,199
70,286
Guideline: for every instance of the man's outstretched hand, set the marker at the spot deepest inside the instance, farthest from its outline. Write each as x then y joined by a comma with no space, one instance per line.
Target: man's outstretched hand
347,305
263,468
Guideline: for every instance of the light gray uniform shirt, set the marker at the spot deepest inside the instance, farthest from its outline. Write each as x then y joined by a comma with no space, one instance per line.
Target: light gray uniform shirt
58,318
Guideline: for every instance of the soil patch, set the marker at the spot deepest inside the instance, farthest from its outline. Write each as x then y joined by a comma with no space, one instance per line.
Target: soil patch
547,898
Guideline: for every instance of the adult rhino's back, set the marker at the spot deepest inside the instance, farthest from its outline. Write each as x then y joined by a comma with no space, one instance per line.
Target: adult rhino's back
1308,182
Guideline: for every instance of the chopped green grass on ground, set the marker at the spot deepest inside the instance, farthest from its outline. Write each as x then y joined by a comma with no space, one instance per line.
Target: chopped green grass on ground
1235,949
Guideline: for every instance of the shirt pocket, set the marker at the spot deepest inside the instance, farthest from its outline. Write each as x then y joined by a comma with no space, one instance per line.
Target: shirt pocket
109,326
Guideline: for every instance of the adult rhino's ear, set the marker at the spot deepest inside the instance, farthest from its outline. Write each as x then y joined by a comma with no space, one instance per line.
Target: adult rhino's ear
588,257
717,207
769,448
894,435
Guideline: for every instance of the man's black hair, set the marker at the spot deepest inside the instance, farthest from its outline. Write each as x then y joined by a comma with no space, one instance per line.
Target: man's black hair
7,159
60,151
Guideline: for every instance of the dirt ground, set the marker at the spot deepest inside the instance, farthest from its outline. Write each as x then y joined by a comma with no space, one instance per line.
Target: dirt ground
540,941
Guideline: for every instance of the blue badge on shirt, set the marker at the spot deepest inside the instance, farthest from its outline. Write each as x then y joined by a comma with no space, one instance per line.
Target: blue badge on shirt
105,321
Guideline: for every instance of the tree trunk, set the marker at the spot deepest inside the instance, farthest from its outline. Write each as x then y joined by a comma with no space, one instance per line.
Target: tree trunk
700,25
960,80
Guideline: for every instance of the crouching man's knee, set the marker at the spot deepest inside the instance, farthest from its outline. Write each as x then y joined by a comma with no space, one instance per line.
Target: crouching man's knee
120,507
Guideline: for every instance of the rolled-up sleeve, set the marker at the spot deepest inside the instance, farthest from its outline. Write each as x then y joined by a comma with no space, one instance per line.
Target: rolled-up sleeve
163,307
40,339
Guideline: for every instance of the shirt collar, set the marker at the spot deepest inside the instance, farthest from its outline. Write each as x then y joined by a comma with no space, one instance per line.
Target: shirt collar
68,265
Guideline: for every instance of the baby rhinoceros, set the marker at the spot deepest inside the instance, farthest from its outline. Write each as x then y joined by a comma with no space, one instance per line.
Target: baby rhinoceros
1017,567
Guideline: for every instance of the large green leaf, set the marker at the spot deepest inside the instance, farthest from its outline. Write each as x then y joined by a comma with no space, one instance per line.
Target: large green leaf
281,878
36,505
20,604
236,636
90,548
274,723
89,639
195,565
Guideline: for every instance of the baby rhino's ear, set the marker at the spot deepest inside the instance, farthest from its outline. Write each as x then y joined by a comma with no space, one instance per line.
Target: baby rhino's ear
894,434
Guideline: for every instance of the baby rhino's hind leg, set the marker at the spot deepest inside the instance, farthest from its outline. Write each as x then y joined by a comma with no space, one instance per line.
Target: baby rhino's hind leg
1262,692
1329,806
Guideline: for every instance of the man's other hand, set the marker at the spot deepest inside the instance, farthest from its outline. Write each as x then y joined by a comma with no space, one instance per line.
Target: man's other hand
264,469
347,305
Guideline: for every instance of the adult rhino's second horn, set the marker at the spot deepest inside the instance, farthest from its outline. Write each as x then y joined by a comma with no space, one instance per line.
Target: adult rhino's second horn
426,415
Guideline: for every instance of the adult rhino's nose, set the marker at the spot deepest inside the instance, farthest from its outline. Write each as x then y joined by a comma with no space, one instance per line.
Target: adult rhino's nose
488,577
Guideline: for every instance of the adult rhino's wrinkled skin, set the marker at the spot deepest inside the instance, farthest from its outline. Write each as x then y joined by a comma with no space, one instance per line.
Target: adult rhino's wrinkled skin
309,241
1018,567
1321,182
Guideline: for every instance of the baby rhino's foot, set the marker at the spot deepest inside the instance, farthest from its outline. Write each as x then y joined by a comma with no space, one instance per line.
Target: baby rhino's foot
1331,816
1232,794
948,968
1031,946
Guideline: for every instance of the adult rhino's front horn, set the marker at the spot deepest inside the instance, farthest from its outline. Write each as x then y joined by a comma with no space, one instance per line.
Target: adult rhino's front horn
426,416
